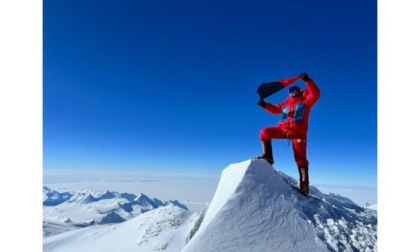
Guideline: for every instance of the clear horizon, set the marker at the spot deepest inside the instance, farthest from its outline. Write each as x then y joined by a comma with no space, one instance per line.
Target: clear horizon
169,186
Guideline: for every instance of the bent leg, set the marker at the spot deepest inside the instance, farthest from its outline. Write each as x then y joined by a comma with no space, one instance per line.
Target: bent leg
268,133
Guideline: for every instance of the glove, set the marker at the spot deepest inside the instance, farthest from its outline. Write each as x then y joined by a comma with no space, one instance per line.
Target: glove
262,103
305,77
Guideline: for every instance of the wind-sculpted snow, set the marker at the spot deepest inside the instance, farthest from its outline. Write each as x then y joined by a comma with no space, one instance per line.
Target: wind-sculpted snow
265,212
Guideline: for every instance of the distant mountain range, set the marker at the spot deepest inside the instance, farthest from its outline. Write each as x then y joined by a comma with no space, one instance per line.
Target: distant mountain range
70,210
254,208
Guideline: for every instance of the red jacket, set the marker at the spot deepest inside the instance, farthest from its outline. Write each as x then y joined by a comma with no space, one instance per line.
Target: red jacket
296,110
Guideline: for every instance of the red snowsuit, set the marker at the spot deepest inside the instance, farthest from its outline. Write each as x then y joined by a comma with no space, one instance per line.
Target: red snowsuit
294,124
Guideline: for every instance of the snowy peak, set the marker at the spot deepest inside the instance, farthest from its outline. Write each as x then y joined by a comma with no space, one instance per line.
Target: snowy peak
112,217
53,198
106,195
256,208
176,203
146,202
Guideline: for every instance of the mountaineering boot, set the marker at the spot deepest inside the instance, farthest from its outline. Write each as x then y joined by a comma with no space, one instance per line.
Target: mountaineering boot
303,180
267,152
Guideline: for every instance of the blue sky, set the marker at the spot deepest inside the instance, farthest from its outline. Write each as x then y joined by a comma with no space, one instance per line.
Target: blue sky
170,86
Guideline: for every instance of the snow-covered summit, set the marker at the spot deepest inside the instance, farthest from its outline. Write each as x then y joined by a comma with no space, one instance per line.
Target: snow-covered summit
256,208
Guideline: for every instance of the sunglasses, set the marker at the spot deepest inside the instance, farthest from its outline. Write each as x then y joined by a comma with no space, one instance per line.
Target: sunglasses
294,93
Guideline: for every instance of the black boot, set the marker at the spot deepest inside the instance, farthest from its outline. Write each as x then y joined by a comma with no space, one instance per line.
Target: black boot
303,180
267,152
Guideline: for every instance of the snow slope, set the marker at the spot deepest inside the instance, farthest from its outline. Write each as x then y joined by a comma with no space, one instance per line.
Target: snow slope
162,229
256,208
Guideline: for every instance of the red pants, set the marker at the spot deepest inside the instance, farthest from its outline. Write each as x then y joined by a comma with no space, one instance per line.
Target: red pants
299,144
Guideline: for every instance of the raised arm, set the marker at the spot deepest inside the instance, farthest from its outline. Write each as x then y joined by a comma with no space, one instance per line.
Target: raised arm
313,90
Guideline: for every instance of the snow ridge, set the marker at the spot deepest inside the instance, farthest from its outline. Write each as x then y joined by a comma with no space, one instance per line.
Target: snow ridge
265,212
